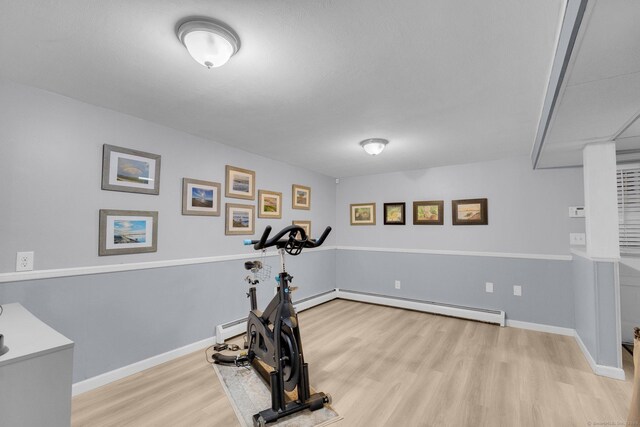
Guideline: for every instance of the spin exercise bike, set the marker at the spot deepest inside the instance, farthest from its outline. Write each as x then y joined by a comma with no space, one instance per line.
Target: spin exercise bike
279,320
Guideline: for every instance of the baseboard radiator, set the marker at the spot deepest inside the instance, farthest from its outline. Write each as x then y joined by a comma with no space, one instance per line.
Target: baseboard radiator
471,313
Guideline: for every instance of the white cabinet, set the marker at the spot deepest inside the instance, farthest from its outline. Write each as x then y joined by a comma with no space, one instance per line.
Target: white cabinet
36,372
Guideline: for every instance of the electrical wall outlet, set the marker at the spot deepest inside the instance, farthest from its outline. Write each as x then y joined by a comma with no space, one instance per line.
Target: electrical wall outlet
24,261
488,286
517,290
577,239
397,284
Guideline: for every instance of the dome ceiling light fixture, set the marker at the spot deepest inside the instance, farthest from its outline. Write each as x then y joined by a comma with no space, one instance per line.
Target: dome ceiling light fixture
209,43
374,146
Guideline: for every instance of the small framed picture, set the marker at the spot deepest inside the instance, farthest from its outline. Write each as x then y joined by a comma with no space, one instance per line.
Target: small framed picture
241,183
470,212
363,214
269,204
306,226
200,197
428,212
240,219
127,232
394,213
301,197
129,170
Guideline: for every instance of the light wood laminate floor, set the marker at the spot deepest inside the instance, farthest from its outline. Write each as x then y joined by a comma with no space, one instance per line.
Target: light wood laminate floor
391,367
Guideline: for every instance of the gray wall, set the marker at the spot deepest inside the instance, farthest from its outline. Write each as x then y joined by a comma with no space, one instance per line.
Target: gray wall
546,297
629,296
528,213
117,319
594,291
528,210
583,279
50,170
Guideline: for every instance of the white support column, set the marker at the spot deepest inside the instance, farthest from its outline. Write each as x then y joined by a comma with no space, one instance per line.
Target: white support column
600,200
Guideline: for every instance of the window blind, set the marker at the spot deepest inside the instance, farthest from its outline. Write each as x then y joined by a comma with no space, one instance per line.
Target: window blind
628,177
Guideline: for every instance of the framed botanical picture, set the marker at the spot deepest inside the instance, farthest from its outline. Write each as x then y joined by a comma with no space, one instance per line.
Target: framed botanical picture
470,212
394,213
127,232
428,212
300,197
129,170
241,183
269,204
200,197
240,219
363,214
306,226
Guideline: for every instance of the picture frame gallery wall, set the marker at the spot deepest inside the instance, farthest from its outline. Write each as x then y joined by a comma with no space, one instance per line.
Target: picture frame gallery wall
75,181
129,232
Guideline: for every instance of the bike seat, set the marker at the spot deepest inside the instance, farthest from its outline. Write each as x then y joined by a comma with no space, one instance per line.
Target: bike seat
250,265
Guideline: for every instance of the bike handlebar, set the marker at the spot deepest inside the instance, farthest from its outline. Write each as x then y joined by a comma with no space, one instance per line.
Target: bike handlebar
264,241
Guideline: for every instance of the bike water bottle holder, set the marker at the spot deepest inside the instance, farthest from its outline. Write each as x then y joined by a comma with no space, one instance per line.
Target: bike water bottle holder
294,246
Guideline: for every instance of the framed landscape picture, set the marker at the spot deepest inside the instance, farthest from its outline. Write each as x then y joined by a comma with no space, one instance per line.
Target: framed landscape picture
269,204
301,197
470,212
200,197
241,183
428,212
394,213
129,170
127,232
362,214
240,219
306,225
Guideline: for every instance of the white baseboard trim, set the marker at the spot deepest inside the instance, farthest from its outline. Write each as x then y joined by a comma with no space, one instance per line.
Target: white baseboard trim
610,372
239,326
541,327
316,300
489,316
134,368
602,370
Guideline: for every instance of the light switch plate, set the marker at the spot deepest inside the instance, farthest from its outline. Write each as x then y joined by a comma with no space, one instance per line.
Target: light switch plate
576,212
488,286
577,239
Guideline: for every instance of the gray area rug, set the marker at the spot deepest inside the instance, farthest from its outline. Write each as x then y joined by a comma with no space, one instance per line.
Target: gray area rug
249,395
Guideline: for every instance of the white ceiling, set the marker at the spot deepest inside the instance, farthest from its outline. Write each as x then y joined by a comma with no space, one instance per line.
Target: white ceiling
445,81
600,100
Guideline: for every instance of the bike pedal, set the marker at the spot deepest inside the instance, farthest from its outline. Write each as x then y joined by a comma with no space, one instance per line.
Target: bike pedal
242,360
220,347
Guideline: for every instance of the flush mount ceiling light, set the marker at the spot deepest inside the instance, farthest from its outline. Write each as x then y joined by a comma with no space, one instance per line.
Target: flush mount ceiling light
374,146
209,43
